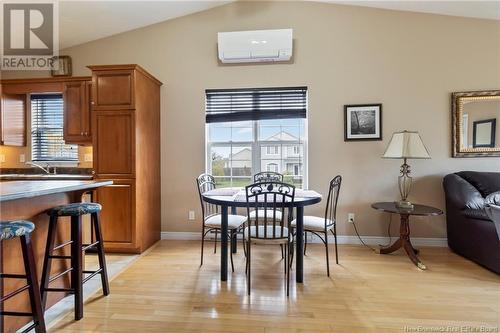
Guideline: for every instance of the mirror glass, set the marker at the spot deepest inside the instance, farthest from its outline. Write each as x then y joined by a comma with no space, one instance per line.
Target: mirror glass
476,123
479,124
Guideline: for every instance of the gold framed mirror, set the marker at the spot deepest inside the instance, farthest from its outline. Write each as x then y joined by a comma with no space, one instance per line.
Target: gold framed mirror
476,127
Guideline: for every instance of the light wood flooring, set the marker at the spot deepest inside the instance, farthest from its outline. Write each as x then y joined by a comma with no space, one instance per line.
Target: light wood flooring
166,291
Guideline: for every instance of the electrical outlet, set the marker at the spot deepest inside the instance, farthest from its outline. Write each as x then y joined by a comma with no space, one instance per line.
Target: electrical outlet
22,158
191,215
2,158
350,217
87,157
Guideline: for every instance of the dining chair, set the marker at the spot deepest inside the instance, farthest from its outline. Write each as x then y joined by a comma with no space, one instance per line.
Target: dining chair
211,217
320,226
267,176
270,197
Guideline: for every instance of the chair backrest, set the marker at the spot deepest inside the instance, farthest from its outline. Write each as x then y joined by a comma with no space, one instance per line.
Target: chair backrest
205,183
268,176
332,200
266,199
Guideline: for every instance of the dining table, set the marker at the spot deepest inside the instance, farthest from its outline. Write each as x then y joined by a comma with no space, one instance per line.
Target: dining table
235,197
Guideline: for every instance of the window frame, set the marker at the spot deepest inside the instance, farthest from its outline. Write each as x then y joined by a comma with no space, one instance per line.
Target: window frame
256,145
29,145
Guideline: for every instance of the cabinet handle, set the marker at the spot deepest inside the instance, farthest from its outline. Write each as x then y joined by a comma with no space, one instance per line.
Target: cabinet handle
81,133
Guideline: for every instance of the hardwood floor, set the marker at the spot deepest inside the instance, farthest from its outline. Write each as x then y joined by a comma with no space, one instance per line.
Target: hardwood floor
166,291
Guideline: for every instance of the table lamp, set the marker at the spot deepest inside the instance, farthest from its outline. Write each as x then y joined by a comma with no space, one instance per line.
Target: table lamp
405,145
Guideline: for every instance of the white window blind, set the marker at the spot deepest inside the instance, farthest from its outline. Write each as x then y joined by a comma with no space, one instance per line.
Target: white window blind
47,140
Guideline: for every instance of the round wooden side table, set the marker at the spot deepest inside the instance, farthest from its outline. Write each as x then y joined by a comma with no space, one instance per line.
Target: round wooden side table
404,231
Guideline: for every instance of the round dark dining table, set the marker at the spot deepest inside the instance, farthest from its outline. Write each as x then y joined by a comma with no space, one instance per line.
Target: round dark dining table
235,197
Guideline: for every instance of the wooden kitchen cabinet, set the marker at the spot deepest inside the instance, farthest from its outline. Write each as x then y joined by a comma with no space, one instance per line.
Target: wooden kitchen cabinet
114,144
13,119
118,215
77,123
126,147
113,89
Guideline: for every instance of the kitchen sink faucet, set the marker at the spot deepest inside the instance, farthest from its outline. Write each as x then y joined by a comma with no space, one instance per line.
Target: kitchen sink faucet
46,169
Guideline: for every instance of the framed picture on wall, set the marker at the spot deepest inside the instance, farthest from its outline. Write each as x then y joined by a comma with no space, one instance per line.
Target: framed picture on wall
362,122
483,133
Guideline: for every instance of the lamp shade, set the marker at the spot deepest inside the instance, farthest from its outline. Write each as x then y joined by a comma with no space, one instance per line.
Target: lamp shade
406,144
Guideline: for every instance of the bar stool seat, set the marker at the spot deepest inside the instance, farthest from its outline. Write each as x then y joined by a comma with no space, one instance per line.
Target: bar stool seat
22,229
11,229
75,209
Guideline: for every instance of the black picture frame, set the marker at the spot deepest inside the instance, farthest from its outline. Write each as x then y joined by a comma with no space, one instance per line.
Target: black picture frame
492,143
371,134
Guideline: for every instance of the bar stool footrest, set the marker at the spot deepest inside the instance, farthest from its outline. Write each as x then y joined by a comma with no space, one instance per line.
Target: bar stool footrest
16,314
60,246
59,257
14,293
55,277
92,274
88,246
12,276
67,290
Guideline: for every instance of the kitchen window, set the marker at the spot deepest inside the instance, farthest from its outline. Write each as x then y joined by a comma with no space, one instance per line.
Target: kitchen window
47,139
254,130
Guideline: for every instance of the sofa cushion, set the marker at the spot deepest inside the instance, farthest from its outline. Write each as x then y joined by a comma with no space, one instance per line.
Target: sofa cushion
485,182
493,199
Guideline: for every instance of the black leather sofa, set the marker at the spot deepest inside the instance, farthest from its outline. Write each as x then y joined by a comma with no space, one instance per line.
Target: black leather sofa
471,233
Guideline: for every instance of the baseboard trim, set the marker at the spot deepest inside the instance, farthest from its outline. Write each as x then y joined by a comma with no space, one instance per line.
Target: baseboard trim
351,240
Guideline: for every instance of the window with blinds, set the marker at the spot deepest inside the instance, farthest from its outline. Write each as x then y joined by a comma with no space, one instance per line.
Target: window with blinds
223,105
47,140
254,130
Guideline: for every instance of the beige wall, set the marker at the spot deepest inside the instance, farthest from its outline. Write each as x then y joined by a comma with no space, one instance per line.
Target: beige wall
409,62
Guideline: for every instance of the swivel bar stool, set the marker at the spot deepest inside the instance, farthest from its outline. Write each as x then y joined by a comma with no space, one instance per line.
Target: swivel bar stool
75,211
23,230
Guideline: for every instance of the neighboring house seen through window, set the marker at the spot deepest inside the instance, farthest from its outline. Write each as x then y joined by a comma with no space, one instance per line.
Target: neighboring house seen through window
254,130
47,140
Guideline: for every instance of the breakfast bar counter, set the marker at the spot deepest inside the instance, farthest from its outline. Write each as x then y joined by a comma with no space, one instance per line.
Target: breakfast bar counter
29,200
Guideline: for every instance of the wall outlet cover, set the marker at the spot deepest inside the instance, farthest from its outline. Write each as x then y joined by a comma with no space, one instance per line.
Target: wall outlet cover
87,157
22,158
350,217
191,215
2,158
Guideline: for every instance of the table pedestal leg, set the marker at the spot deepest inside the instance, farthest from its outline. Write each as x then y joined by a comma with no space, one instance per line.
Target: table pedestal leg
404,242
223,244
299,252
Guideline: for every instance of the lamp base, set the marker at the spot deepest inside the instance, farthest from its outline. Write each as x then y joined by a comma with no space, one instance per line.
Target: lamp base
403,204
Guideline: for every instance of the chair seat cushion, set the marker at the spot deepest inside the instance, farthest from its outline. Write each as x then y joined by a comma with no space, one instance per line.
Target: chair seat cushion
233,221
11,229
315,223
75,209
269,234
270,214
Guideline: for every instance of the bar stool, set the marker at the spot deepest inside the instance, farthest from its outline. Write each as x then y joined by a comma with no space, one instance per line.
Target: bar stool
75,211
23,230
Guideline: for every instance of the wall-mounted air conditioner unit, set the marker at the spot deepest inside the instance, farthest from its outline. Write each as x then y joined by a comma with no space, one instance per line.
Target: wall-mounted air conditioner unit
255,46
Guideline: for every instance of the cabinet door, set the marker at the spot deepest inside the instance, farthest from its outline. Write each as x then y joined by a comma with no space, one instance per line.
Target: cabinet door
13,120
114,138
113,90
118,215
76,112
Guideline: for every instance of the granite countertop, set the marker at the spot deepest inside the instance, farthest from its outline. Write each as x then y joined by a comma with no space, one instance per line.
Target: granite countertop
21,189
63,173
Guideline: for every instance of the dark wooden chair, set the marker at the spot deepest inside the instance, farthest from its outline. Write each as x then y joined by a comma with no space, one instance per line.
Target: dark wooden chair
23,230
268,199
75,211
320,226
211,218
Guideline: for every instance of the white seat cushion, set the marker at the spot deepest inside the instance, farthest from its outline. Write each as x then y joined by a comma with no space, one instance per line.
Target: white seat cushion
269,235
233,221
314,223
270,214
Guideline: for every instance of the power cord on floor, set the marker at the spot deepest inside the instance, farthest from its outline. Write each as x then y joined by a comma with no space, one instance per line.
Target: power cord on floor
368,246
